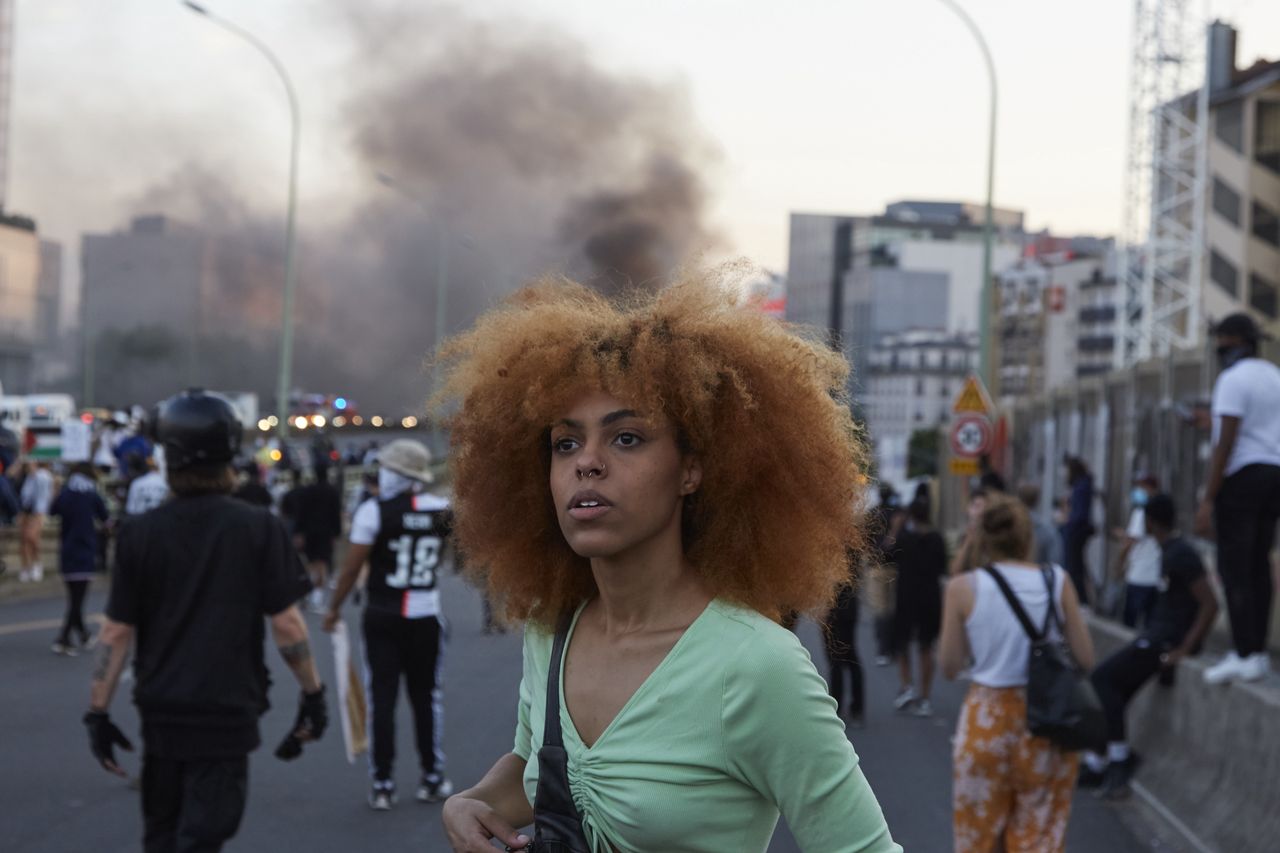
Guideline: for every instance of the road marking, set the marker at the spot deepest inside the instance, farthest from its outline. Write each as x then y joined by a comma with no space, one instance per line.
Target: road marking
1171,819
41,625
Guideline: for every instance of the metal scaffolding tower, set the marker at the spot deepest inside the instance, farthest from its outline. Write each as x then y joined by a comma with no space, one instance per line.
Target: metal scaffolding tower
1162,269
6,68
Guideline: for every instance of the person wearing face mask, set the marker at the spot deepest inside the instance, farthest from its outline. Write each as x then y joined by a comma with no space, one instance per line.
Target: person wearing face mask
1241,501
1139,556
401,534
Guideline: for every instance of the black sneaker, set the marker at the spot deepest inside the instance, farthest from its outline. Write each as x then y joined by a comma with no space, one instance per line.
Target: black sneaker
434,788
1119,773
382,796
1090,778
66,650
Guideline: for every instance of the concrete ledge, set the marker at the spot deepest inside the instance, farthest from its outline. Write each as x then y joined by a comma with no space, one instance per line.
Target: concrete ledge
1211,755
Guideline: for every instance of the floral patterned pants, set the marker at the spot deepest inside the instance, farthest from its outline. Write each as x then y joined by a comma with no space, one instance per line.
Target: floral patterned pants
1008,785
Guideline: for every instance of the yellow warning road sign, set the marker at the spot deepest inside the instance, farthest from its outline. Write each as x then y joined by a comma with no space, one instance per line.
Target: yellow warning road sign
964,467
973,398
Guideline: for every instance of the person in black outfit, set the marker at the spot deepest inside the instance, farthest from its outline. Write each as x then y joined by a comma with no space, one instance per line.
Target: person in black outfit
81,511
317,522
920,554
192,582
841,641
1184,612
1078,527
885,519
252,490
402,535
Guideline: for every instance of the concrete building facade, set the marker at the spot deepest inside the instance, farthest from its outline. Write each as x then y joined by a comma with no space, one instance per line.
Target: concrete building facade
19,282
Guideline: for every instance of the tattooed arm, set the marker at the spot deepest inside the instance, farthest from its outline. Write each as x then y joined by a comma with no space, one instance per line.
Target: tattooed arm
112,654
290,632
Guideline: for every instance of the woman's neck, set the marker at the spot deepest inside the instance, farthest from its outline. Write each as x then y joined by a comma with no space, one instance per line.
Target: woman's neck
649,587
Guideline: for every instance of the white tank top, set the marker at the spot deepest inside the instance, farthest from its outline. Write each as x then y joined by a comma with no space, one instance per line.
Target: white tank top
1000,647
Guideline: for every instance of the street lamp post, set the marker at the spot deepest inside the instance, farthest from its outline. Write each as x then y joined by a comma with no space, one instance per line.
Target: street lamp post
290,239
988,225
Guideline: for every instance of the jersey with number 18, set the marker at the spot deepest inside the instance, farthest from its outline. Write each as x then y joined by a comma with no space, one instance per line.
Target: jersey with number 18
406,554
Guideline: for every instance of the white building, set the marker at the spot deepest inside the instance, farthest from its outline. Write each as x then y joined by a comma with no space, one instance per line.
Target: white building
912,380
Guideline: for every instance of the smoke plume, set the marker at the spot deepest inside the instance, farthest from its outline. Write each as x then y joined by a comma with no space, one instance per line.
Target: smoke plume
506,152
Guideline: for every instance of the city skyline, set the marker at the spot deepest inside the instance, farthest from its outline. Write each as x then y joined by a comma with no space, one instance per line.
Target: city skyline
169,92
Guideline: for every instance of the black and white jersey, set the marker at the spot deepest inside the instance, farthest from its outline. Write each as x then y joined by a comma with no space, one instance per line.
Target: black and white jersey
407,552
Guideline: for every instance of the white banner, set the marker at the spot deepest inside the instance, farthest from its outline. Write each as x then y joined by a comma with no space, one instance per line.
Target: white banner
352,707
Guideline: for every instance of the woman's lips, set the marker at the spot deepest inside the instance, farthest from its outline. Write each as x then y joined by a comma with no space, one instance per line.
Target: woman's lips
588,513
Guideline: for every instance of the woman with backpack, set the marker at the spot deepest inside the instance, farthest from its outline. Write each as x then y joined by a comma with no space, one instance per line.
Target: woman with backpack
1009,785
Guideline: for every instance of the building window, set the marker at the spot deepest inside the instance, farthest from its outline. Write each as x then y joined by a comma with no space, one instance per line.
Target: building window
1262,296
1266,135
1224,274
919,387
1226,201
1229,125
1266,224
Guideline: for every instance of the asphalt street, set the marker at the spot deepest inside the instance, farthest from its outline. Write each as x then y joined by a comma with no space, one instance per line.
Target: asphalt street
55,798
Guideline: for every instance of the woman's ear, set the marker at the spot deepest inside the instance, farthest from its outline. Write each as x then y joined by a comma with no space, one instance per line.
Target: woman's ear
692,475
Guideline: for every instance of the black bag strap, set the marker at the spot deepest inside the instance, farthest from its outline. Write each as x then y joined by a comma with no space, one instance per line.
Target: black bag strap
1051,616
1015,604
551,734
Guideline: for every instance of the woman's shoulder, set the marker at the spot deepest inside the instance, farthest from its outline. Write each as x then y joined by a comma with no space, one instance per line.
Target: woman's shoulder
752,642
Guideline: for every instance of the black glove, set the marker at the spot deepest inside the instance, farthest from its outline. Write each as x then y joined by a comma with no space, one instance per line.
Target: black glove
104,737
313,719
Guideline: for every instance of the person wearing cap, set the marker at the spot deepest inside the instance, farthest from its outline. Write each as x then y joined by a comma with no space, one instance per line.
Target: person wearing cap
401,534
1139,555
1241,501
192,582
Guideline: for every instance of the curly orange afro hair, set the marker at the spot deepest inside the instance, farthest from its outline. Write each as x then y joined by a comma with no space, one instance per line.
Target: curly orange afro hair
764,409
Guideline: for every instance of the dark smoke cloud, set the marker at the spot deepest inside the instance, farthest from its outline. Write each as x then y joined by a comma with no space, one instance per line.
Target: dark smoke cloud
513,153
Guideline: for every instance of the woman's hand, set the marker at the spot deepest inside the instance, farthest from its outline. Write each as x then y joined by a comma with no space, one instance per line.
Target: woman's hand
470,823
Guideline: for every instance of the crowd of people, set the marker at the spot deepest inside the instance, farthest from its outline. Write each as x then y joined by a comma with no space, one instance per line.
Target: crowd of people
657,581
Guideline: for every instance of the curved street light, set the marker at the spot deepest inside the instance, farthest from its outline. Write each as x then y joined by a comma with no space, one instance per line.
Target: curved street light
290,239
984,312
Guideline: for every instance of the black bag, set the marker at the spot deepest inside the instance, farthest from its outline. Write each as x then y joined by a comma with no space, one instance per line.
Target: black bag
557,826
1062,705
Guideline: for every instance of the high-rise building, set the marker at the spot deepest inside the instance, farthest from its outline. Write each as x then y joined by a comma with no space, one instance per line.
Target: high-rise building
1242,229
847,273
19,274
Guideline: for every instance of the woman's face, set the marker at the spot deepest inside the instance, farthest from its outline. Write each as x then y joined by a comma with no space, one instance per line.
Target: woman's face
617,479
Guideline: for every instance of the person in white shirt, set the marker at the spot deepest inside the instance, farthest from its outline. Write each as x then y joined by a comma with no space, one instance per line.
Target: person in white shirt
34,499
1139,556
1242,494
147,491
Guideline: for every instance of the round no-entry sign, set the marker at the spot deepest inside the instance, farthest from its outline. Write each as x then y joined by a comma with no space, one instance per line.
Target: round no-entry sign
970,436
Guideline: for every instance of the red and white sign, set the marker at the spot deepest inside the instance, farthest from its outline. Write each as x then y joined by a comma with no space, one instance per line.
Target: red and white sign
970,436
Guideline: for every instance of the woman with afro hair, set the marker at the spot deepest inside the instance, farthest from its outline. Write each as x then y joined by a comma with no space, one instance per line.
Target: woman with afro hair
658,481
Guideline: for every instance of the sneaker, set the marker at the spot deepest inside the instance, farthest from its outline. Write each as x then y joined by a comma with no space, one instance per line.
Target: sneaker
1090,778
37,574
24,576
1115,786
1230,668
88,642
923,708
433,789
66,650
905,697
382,797
1255,667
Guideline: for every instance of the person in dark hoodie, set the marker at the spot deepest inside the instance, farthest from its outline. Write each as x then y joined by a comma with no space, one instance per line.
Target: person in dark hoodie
81,510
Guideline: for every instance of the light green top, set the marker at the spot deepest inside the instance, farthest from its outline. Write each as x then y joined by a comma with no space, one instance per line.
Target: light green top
733,726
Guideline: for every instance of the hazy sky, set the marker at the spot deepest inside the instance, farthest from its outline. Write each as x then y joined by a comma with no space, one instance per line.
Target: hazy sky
839,105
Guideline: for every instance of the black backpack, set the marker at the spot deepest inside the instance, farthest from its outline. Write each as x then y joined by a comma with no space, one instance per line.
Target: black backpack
1062,705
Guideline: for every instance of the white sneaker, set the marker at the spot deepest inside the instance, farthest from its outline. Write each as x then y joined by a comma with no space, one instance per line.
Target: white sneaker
923,708
905,697
1226,670
1255,667
24,576
37,573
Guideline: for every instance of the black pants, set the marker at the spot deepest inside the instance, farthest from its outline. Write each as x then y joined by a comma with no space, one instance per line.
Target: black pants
192,806
1246,511
1074,540
841,641
1139,601
74,618
396,647
1119,677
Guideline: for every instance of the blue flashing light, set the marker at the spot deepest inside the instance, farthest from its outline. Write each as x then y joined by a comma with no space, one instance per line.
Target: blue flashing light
340,404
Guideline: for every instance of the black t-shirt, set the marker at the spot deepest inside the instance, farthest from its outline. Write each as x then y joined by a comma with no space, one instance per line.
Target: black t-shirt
254,493
1175,609
405,558
317,512
196,577
921,559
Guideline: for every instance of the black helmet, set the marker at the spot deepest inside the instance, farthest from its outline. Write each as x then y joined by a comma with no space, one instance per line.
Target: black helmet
196,428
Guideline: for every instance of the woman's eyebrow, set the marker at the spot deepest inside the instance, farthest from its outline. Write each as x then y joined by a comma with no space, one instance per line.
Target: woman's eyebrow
619,415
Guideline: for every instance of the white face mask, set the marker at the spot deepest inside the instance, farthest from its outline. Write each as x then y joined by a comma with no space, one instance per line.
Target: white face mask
391,483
